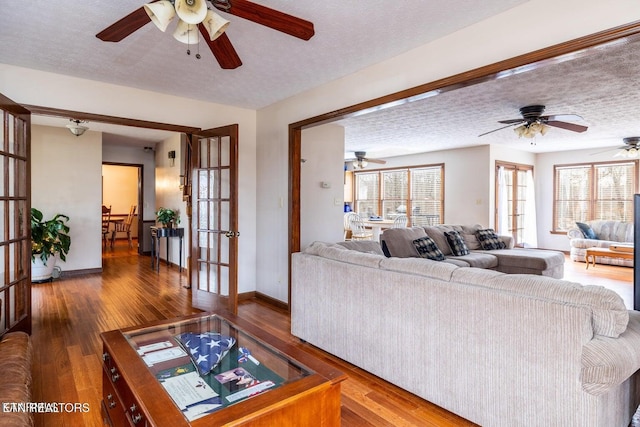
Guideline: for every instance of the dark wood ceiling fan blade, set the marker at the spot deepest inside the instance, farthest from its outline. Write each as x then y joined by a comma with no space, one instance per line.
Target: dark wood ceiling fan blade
511,122
268,17
565,125
125,26
222,49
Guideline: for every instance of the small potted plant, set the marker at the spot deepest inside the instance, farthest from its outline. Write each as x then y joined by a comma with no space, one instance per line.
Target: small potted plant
168,217
48,238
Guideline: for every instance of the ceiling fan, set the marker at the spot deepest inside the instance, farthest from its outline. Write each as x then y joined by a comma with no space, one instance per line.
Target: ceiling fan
533,122
197,14
361,160
630,149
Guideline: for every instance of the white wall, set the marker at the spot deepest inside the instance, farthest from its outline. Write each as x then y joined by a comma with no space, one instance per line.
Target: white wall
500,37
321,217
66,178
136,155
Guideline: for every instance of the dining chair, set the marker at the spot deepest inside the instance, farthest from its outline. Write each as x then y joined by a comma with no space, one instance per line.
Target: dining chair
124,227
347,226
358,230
400,221
106,223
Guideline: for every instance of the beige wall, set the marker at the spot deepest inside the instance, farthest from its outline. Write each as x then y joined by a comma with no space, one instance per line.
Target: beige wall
119,188
65,178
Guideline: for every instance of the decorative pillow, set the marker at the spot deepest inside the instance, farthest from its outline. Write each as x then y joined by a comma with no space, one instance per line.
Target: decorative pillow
587,230
456,243
427,248
207,349
489,240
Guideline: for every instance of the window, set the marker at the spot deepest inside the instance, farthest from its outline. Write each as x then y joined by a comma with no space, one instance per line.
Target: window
598,191
417,192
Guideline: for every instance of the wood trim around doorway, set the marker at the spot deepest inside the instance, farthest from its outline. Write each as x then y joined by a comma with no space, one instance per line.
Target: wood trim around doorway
532,60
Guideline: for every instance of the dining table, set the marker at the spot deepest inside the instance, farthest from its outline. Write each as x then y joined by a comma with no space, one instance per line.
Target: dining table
377,225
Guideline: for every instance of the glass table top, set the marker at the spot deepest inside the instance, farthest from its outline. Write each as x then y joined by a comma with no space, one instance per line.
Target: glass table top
206,363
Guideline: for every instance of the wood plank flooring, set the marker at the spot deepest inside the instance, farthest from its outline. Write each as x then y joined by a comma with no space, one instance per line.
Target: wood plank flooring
70,313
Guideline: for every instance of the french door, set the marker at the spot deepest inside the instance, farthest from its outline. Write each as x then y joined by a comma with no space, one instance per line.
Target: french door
214,193
15,214
512,195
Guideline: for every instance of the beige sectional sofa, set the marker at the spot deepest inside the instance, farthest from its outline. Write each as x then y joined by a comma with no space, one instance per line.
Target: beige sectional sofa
498,349
397,242
608,233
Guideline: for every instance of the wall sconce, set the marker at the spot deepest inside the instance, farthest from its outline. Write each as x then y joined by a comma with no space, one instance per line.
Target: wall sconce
172,158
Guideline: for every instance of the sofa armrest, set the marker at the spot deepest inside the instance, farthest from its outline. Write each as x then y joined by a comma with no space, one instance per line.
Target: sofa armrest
608,362
575,233
508,240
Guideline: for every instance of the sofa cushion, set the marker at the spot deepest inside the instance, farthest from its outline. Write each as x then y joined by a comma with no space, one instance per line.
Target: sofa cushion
489,240
473,276
456,243
436,232
421,267
367,246
427,248
477,259
587,231
340,253
609,314
399,241
528,259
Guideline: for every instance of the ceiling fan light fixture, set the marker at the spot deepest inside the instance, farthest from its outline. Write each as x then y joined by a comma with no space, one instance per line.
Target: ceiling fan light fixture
360,164
76,128
186,33
214,24
191,11
161,13
530,130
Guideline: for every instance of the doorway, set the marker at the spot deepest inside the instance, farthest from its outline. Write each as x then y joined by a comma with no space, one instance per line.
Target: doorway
122,189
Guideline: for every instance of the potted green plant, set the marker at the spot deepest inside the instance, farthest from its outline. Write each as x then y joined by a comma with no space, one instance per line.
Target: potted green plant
168,217
48,238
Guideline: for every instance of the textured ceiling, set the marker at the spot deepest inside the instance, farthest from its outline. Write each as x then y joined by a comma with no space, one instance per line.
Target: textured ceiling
601,86
60,37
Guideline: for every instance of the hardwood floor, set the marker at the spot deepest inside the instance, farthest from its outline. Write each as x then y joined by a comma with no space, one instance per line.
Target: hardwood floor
70,313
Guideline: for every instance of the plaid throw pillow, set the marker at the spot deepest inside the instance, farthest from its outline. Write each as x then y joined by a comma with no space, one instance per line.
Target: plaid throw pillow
427,248
456,243
489,240
207,349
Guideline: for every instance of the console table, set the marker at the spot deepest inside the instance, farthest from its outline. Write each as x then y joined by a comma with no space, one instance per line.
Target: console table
157,233
150,380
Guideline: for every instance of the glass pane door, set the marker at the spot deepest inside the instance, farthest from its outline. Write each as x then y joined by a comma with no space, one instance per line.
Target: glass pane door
15,233
214,269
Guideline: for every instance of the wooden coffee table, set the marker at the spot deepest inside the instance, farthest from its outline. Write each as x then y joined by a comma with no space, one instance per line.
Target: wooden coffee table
592,253
149,380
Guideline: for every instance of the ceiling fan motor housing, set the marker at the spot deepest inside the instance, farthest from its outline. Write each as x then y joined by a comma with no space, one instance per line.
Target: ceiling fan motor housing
531,113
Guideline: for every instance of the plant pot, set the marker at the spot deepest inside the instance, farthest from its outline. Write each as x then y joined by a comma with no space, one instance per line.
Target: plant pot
41,272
